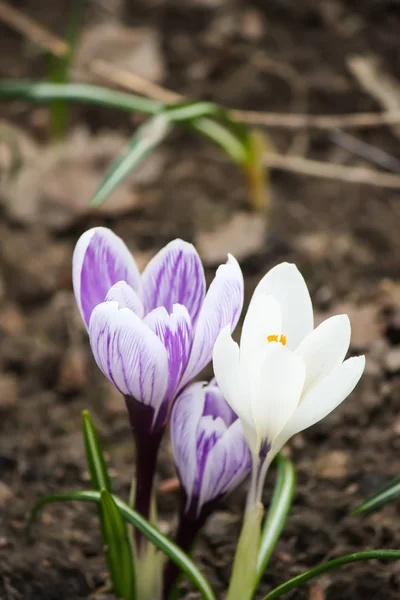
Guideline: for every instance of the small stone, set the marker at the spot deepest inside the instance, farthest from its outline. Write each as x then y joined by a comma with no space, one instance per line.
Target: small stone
12,320
392,361
252,26
8,391
333,465
6,494
73,371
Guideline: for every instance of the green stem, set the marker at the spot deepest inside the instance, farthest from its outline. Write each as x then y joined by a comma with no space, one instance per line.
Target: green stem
244,572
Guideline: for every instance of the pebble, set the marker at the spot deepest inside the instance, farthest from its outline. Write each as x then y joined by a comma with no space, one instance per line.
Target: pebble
6,494
8,391
72,377
392,361
333,465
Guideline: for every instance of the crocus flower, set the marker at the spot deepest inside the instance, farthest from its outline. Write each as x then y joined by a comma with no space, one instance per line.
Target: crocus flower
152,333
210,450
286,375
211,455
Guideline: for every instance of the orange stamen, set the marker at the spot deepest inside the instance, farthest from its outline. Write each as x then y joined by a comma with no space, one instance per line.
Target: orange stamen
275,338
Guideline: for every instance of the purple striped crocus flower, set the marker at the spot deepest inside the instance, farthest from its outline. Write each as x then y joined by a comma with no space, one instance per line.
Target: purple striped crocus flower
211,455
210,450
152,333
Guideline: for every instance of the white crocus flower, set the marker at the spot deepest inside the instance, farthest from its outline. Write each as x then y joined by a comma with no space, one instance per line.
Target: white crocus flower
286,375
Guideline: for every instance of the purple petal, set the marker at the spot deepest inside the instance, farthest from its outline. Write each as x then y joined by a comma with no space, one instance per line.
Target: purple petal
100,260
222,306
228,463
185,417
175,332
215,405
174,276
129,354
126,297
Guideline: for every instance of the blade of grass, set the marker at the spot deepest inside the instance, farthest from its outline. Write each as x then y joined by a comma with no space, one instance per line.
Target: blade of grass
33,91
233,137
145,139
118,549
387,494
114,532
60,67
147,529
332,564
281,502
94,455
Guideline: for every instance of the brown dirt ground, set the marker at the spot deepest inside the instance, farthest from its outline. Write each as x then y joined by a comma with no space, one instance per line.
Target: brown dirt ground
248,54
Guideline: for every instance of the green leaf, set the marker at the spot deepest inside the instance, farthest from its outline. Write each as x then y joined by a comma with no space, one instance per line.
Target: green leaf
60,67
94,455
332,564
146,138
147,529
387,494
37,91
118,549
280,506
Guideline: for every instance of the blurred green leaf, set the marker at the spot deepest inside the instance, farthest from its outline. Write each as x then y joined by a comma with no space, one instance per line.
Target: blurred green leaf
389,493
59,67
207,118
94,455
118,549
145,139
332,564
114,532
34,91
147,529
280,506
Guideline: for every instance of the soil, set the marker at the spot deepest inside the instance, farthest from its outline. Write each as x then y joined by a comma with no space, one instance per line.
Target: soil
247,54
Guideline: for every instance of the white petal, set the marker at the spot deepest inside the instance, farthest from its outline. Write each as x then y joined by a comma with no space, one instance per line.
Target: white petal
100,260
129,354
228,373
324,348
323,398
263,318
276,392
286,284
222,306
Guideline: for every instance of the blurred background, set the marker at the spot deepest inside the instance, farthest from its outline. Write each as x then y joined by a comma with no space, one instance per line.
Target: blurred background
319,83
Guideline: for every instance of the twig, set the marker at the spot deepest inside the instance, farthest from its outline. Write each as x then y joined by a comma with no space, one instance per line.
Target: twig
365,150
375,80
324,170
134,83
32,30
294,164
140,85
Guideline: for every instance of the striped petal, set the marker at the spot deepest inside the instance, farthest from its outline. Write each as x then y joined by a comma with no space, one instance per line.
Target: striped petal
174,276
126,297
222,306
100,260
175,332
129,354
228,463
